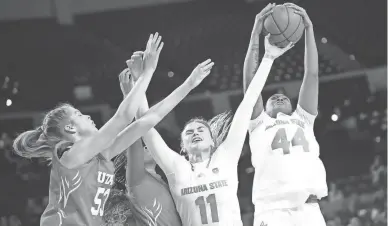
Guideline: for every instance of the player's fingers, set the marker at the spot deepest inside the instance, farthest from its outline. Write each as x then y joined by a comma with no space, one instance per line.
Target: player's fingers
121,87
150,40
206,74
155,37
126,78
266,14
208,66
269,6
289,46
204,63
300,13
141,53
129,63
158,42
289,4
133,56
296,8
136,57
292,7
121,75
267,9
297,12
160,48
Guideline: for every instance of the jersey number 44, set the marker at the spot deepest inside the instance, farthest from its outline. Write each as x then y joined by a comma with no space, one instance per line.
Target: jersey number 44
280,141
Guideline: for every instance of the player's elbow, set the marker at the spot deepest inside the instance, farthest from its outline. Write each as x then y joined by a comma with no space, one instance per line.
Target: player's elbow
120,118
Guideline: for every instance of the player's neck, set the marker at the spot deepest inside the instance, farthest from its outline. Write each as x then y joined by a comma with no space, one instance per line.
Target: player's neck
200,157
274,113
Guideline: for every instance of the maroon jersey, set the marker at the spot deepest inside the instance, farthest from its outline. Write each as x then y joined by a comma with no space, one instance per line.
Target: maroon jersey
77,196
152,203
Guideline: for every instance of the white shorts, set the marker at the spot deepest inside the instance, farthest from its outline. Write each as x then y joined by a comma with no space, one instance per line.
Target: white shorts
307,215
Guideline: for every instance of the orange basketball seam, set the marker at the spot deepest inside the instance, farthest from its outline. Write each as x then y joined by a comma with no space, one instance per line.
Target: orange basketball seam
288,24
277,26
300,20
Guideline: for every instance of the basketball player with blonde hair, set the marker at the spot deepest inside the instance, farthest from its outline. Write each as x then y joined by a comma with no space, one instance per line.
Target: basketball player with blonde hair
82,172
148,197
204,182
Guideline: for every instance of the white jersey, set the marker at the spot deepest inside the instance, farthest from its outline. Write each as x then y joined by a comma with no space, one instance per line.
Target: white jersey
207,195
285,155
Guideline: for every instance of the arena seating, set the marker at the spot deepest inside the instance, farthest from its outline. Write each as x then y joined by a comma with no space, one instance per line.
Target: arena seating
93,52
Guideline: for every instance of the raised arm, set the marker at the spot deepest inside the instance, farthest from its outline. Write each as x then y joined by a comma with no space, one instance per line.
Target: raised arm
238,129
135,164
87,148
163,155
308,95
154,115
251,62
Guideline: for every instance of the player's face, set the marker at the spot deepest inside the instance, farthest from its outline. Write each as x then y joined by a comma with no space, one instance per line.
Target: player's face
83,124
278,103
196,138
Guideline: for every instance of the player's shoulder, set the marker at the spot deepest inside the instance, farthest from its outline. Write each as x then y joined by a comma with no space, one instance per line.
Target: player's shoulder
303,115
260,121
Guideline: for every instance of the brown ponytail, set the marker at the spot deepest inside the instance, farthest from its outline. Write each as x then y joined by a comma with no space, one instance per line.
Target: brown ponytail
41,142
31,144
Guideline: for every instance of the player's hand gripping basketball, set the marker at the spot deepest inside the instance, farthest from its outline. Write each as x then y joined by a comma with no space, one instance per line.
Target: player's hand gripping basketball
260,17
302,12
272,51
152,52
199,73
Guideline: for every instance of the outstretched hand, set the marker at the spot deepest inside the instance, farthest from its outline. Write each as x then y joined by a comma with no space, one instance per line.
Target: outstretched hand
152,52
136,65
272,51
260,17
200,72
126,83
302,12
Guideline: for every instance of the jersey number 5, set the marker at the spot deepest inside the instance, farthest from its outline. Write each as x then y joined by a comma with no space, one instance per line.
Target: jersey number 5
211,199
280,141
99,201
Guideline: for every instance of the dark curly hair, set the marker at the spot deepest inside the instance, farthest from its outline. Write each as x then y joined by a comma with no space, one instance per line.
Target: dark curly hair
117,209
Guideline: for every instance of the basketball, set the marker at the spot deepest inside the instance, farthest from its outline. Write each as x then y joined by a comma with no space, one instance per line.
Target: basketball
284,25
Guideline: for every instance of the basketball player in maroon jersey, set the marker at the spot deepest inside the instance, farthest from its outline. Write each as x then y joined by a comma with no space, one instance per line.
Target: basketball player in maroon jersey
151,201
82,173
147,199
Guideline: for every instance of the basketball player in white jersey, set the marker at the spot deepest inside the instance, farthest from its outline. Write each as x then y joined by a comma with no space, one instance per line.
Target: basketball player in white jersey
289,176
204,186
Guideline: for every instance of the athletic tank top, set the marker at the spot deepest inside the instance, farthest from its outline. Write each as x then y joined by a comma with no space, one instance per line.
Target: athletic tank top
207,195
153,204
77,196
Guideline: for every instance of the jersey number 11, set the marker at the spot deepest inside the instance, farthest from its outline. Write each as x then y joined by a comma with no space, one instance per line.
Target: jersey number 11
211,199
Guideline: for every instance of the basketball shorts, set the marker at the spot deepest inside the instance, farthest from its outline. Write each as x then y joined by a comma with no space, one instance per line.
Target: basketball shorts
309,214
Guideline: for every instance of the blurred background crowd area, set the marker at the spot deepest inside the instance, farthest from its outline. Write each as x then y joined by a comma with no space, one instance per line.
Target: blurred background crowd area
72,51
